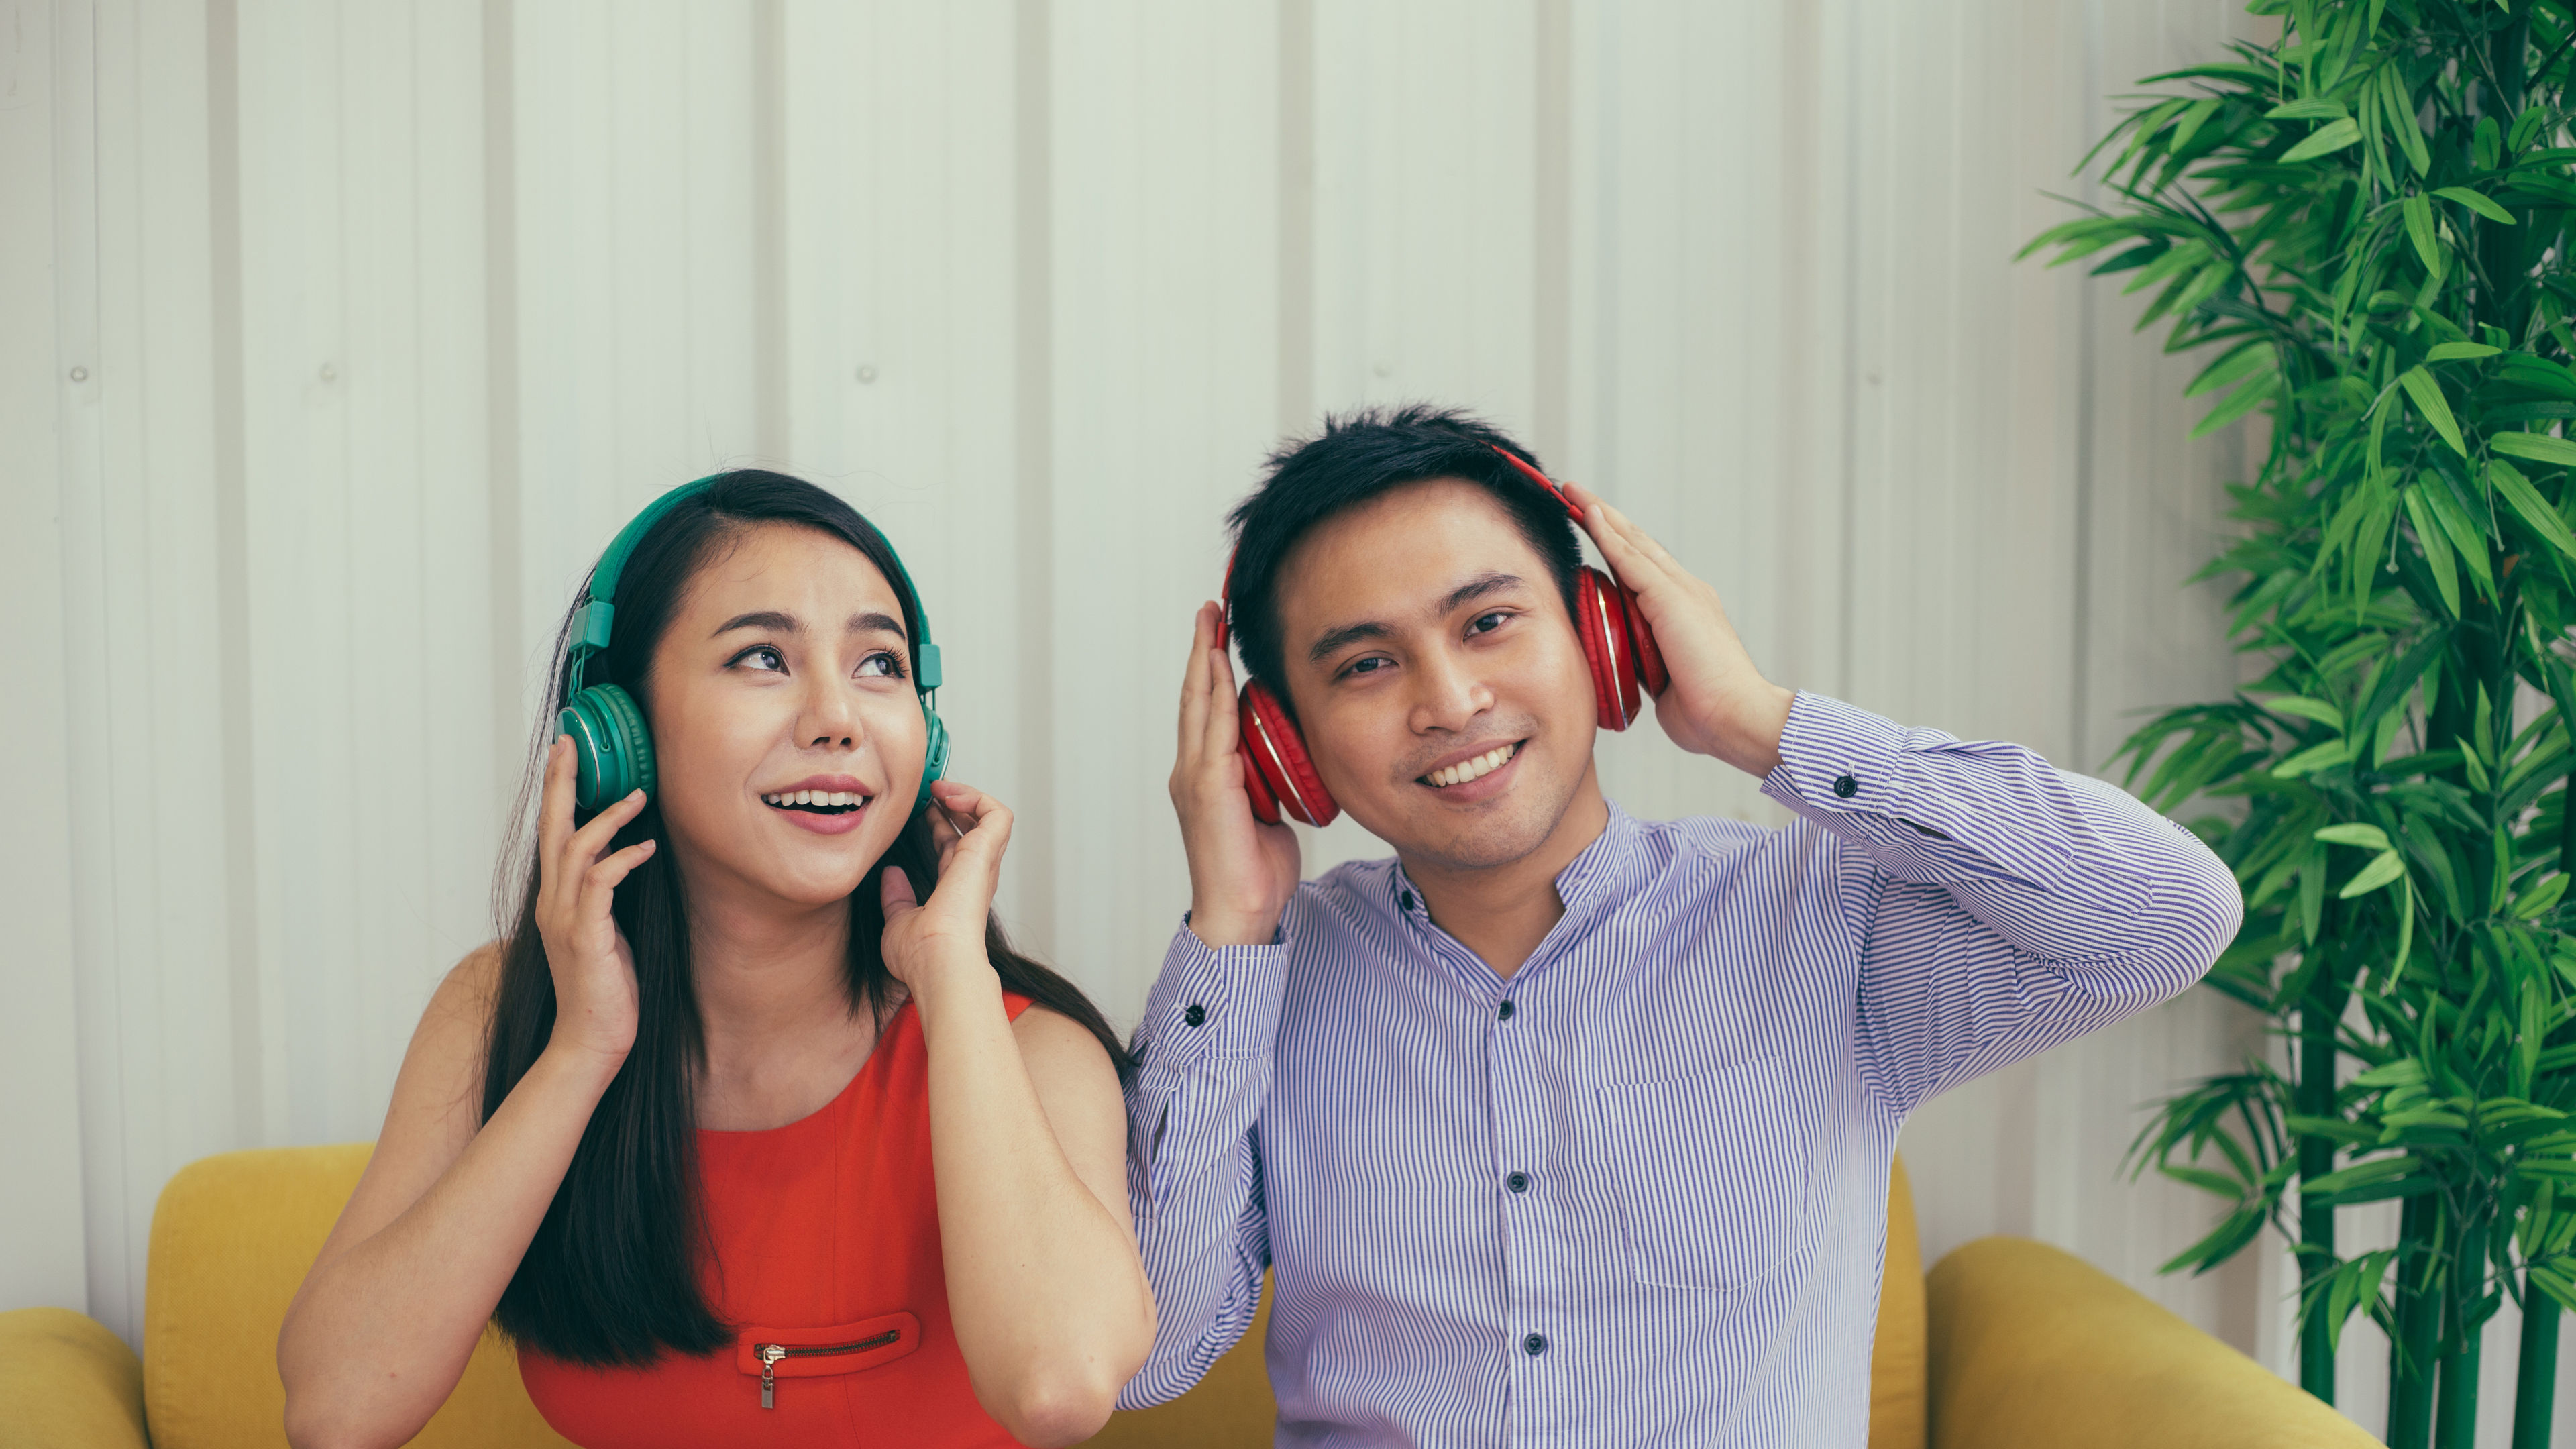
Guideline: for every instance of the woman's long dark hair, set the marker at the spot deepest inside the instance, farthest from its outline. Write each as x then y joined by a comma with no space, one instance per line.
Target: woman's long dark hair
611,1276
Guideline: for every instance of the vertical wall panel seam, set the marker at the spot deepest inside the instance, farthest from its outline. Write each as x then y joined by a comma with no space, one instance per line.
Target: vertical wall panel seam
1552,239
1033,399
2079,691
770,369
501,440
1296,216
232,568
1847,560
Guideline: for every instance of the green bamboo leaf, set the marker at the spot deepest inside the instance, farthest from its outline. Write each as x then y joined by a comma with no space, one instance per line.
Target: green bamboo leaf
2403,1072
2329,138
2370,837
2319,109
2188,124
2454,351
2419,229
2386,867
2361,1174
2476,201
2237,404
2438,558
2427,394
2305,708
2538,447
2313,759
2233,365
2535,510
2537,902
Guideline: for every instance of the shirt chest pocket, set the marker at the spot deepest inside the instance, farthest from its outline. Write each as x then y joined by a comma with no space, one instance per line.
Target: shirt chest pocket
1711,1173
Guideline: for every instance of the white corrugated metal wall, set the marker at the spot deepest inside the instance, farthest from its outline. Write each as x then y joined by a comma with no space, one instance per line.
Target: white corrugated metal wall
339,336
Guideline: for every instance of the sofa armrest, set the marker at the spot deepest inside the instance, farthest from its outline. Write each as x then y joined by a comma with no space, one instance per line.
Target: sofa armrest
2033,1346
67,1383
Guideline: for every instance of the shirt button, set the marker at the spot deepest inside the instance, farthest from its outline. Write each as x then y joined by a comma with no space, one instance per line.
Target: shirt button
1534,1345
1846,787
1517,1182
1407,899
1196,1015
1506,1012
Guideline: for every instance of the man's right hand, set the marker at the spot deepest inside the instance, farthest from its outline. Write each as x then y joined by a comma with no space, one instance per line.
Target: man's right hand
1242,872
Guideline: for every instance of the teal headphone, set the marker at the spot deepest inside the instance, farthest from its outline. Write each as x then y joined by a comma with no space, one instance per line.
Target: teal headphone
612,749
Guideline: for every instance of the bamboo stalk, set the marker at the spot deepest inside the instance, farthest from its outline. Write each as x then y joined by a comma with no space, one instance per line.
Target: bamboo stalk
2456,1426
2535,1382
2316,1216
2410,1350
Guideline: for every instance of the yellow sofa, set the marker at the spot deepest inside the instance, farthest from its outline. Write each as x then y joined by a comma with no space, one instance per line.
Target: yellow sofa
2008,1343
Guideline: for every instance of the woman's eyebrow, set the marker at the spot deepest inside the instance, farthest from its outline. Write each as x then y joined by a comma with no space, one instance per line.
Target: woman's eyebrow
764,619
876,624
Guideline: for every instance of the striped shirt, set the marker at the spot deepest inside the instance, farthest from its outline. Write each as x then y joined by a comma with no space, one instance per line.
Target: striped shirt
1636,1194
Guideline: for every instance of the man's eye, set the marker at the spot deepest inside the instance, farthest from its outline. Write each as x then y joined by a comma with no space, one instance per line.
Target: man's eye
881,665
1370,665
1488,623
762,657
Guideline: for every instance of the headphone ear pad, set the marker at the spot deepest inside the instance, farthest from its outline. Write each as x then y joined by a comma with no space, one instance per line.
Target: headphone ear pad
1650,659
934,758
1603,629
612,749
1275,753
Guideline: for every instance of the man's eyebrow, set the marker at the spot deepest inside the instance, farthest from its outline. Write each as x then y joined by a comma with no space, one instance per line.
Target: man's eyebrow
1333,639
763,619
877,624
1476,588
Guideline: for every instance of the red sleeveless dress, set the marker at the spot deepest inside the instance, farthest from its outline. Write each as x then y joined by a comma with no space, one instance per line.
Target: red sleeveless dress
826,1259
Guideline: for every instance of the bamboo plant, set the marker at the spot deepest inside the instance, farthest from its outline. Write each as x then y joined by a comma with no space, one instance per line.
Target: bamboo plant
2363,227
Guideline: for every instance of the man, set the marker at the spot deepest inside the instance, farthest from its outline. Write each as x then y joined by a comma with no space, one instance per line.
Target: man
1563,1127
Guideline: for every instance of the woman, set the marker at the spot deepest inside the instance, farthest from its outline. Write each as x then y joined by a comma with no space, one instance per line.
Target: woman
741,1139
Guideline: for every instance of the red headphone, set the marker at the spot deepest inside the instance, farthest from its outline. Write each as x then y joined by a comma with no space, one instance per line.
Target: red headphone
1281,778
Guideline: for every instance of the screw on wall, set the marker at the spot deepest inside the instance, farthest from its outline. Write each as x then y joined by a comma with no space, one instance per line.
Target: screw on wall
80,374
867,373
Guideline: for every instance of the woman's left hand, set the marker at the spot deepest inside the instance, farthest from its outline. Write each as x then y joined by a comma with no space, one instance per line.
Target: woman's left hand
923,938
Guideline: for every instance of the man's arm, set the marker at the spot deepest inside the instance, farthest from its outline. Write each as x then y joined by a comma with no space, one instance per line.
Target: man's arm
2002,906
1193,1159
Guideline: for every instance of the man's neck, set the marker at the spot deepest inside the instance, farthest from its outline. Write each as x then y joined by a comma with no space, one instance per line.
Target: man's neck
1502,912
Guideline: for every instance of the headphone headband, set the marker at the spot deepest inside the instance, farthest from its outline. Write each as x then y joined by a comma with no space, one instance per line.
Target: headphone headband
593,621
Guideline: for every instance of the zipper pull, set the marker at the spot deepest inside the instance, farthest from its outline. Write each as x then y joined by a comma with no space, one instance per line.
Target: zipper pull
770,1354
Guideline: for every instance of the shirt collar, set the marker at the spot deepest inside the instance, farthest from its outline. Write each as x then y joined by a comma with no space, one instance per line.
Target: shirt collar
1601,873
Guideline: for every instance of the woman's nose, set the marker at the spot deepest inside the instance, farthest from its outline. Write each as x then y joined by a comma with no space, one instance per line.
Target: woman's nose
828,721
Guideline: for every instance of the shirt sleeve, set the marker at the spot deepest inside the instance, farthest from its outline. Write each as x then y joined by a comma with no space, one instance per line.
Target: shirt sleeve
1194,1159
2001,905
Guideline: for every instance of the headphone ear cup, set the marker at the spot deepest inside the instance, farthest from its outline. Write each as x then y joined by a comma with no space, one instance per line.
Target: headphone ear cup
1275,754
1650,659
1603,630
934,759
612,749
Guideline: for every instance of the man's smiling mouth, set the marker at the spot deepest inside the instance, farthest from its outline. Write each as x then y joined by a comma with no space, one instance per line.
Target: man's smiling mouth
817,802
1474,769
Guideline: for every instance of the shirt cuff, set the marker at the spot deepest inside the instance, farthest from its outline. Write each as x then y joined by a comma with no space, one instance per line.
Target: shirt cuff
1838,760
1212,1001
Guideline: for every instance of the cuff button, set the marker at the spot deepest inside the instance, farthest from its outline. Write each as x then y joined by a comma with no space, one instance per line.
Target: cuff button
1846,786
1196,1015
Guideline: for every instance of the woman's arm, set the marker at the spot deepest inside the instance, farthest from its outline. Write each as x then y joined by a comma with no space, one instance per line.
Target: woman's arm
382,1327
1028,1145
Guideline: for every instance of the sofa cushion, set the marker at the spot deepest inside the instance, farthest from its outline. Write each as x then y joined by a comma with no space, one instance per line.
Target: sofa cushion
231,1240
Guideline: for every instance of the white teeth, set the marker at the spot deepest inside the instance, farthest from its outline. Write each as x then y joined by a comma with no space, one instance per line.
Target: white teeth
1465,770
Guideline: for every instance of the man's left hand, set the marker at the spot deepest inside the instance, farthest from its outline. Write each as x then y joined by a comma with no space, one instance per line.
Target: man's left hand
1718,704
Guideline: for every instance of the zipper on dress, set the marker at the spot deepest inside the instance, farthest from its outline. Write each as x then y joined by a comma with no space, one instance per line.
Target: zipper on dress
771,1353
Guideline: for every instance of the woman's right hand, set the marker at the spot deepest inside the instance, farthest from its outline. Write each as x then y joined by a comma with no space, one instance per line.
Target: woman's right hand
594,971
1242,872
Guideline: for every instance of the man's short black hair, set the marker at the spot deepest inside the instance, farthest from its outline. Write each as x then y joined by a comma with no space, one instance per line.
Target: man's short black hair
1359,456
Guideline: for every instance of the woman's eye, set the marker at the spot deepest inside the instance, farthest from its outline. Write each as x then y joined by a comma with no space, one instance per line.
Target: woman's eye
880,665
762,657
